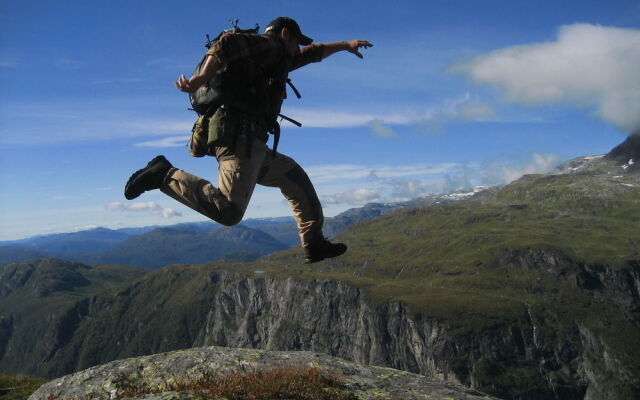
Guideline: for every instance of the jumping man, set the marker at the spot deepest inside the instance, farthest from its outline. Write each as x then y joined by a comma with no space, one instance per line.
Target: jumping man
256,69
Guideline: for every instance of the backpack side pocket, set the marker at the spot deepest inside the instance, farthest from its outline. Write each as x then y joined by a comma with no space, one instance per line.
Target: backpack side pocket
198,146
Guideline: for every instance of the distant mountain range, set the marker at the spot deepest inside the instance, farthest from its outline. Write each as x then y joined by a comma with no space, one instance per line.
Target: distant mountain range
197,242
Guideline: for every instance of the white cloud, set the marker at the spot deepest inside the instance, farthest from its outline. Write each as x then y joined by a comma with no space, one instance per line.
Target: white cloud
463,108
475,111
149,206
403,190
392,183
327,118
499,174
358,197
155,126
169,213
86,227
96,119
588,65
173,141
345,172
380,129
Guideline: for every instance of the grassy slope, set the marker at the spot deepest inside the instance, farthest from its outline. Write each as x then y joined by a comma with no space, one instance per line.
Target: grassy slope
18,387
447,262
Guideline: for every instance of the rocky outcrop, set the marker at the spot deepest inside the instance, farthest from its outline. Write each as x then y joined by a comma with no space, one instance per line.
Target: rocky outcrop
365,382
332,317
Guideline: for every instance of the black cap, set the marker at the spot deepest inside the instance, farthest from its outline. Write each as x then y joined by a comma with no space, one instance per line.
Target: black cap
289,23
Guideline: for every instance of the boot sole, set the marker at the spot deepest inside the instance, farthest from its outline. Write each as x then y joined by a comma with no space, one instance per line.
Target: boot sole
129,194
309,260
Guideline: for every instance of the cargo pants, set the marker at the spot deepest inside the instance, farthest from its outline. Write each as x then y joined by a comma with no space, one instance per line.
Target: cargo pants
238,173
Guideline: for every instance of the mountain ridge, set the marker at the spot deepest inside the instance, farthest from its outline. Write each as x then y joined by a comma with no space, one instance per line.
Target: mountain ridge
135,246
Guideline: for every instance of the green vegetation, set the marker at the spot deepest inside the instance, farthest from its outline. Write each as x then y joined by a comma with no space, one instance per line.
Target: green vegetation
484,266
490,261
481,256
18,387
49,307
289,383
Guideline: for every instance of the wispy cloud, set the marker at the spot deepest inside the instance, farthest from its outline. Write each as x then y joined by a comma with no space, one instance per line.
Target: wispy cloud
345,172
173,141
8,63
328,118
69,63
464,108
434,117
588,66
494,173
390,184
97,119
154,126
356,197
378,128
149,206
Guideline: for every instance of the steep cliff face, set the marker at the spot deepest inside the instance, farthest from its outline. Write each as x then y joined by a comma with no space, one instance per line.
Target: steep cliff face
552,358
619,285
538,355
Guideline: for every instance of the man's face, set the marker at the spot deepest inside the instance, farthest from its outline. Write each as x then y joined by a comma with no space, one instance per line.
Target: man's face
292,43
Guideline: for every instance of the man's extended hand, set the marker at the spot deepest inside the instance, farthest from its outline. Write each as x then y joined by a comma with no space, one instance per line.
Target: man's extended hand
354,45
183,84
211,65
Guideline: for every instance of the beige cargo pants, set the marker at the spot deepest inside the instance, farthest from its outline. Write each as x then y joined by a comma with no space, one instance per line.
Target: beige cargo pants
238,174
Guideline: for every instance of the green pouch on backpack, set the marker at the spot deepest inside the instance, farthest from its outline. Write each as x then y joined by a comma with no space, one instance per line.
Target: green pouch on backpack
198,145
224,127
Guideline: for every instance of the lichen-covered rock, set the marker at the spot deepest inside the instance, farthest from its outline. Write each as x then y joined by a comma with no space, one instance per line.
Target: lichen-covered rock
366,382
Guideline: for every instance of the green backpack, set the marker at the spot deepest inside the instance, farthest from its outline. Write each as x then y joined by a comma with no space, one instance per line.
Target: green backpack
207,98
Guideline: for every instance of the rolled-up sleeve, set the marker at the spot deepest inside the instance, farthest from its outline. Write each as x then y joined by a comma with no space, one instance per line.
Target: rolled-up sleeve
307,55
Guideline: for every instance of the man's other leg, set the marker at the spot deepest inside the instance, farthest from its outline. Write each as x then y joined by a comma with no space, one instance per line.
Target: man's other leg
294,183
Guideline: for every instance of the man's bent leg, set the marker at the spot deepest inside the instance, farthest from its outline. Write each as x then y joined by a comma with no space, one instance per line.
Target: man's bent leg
201,196
237,175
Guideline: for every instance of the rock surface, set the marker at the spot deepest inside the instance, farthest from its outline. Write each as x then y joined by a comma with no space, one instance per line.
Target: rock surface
366,382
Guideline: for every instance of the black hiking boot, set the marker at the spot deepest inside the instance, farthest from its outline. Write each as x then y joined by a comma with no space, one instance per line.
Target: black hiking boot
147,178
321,249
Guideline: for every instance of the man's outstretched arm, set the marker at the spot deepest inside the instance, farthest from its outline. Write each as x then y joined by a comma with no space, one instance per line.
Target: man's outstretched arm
320,51
352,46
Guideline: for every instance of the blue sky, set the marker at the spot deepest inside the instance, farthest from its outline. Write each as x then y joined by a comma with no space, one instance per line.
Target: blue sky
453,94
